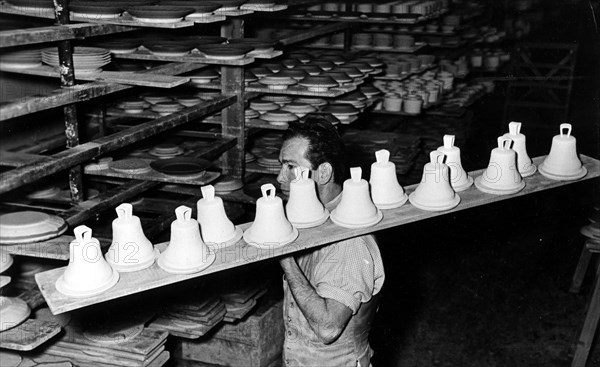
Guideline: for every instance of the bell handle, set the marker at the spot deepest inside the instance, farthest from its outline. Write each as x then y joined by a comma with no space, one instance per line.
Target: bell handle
83,233
449,141
268,191
183,213
514,128
566,126
502,142
356,174
208,192
436,156
124,211
382,156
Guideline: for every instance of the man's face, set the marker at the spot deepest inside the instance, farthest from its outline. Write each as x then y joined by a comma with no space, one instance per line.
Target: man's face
292,155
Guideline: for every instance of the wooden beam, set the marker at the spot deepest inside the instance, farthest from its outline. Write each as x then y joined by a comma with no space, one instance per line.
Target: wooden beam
60,161
29,36
242,253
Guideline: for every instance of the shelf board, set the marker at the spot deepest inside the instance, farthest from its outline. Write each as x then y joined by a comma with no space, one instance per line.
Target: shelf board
292,90
29,335
262,124
84,152
28,36
16,159
192,57
55,249
268,8
357,18
81,92
120,77
243,254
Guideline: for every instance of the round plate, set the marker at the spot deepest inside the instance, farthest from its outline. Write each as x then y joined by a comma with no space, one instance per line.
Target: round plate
454,202
314,223
291,238
552,176
13,311
228,185
370,223
490,190
465,186
6,261
209,260
44,193
132,166
232,241
181,166
29,226
397,204
63,288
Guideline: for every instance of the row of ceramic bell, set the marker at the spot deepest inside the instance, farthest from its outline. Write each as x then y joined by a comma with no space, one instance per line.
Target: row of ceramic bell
502,176
435,192
562,163
271,228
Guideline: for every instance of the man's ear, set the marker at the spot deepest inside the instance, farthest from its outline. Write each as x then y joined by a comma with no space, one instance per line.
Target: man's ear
324,173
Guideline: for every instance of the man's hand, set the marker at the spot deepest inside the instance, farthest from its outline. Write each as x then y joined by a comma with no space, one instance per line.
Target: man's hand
287,262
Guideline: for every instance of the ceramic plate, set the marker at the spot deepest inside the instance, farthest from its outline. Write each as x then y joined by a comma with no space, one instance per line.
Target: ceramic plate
181,166
397,204
29,226
491,190
63,288
291,238
376,219
453,203
13,311
131,166
553,176
174,270
314,223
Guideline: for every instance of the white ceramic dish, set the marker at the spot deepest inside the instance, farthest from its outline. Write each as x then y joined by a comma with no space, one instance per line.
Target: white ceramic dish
29,226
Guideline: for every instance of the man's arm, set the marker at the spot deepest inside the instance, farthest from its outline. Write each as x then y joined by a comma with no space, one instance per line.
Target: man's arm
327,317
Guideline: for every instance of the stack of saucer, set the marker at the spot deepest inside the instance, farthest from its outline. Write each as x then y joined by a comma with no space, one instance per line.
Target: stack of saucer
133,106
166,150
166,108
85,59
279,117
21,59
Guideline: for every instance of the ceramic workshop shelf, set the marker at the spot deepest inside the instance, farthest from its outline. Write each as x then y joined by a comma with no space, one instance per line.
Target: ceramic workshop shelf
242,253
124,20
29,335
192,57
121,77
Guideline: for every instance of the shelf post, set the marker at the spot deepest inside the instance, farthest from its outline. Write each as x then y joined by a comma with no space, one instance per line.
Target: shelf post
67,79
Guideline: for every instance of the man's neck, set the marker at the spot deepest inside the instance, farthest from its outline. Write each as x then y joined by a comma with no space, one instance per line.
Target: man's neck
329,192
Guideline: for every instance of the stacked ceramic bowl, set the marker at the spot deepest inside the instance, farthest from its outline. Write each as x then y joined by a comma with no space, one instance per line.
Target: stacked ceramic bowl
21,59
166,108
85,59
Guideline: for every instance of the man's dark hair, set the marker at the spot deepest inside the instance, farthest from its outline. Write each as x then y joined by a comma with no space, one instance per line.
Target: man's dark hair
324,143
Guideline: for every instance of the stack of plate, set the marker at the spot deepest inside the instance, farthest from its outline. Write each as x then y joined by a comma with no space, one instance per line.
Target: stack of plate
224,51
120,46
279,117
204,76
166,150
94,10
342,111
270,161
133,106
21,59
276,82
166,108
159,14
85,59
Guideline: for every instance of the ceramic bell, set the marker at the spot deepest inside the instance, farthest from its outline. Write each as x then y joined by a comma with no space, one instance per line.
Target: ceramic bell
186,253
435,193
88,273
563,162
524,163
501,176
270,228
386,192
356,208
459,178
303,209
217,229
130,249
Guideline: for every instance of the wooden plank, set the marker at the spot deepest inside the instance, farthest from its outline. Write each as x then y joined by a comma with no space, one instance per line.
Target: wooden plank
192,57
15,159
80,93
156,176
298,90
56,248
87,151
29,335
122,77
314,32
28,36
84,357
243,254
